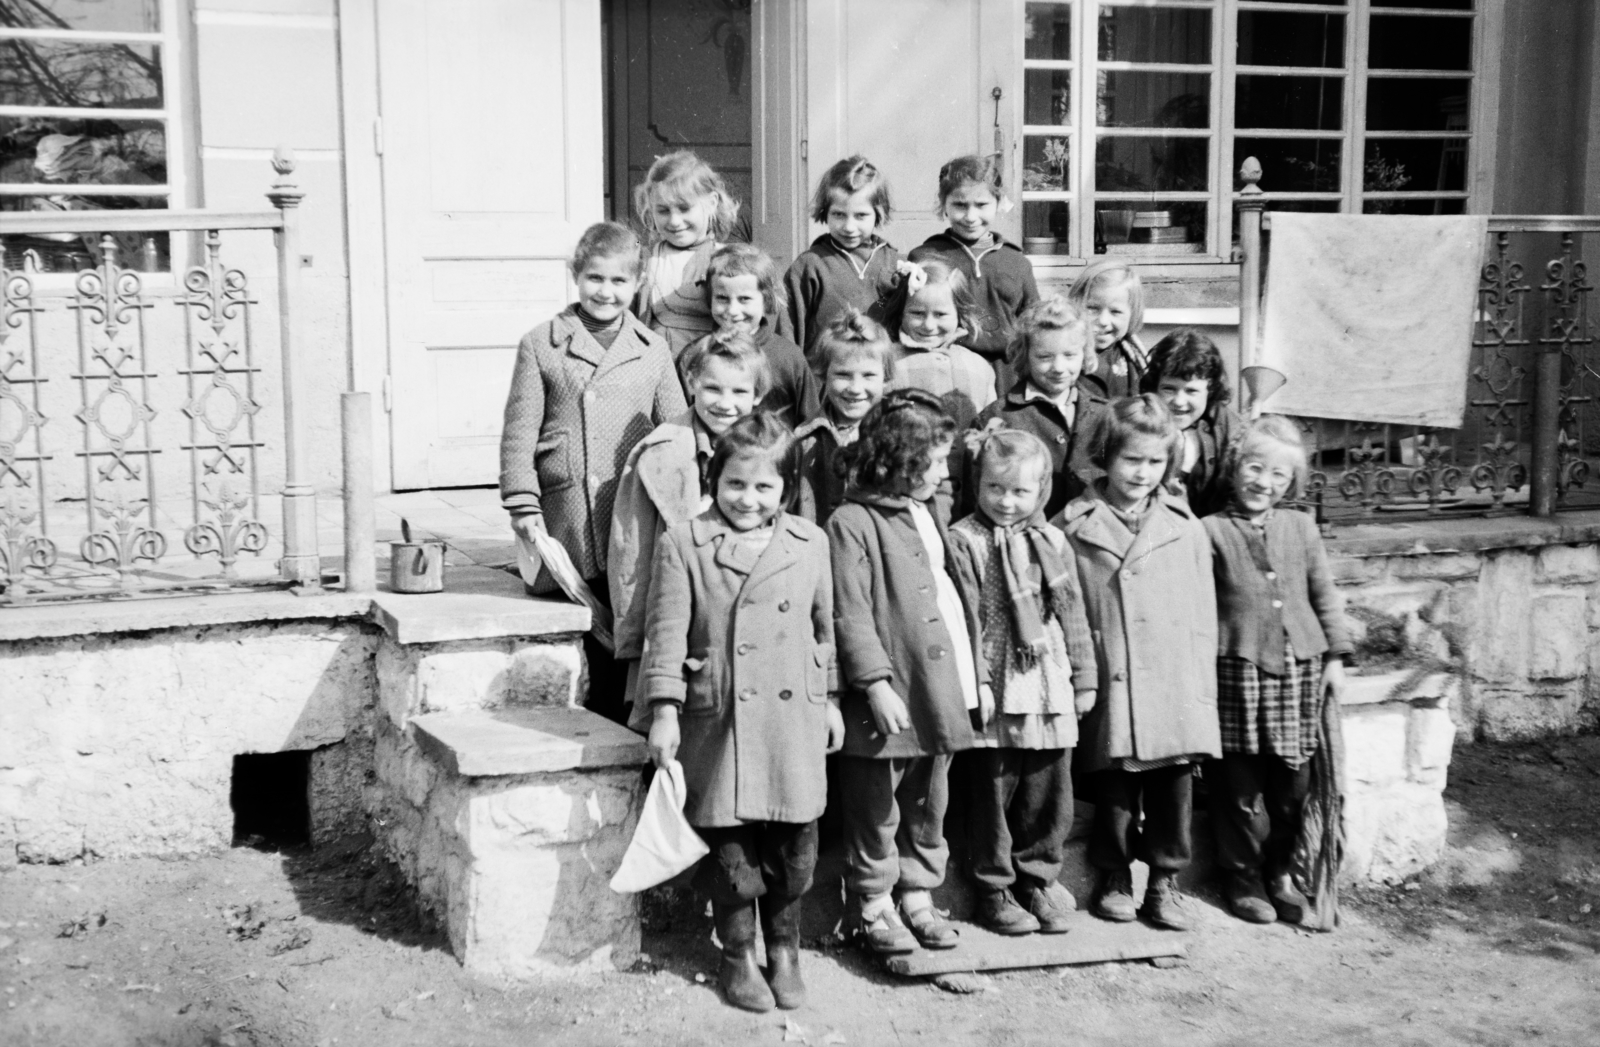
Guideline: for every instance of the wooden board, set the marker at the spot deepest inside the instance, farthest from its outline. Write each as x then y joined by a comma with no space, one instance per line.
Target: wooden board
1090,941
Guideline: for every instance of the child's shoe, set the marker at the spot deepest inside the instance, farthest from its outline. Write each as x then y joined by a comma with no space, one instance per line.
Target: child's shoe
999,911
881,931
1290,904
1113,896
1164,904
1247,898
780,926
933,931
740,975
1053,906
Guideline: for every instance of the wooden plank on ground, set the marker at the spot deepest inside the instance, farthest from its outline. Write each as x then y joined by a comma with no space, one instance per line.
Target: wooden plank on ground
1089,941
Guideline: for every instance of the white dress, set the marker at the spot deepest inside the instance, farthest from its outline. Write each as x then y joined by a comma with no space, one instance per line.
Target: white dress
949,601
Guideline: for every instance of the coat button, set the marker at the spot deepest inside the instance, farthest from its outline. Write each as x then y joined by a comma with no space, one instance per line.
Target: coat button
588,396
1277,603
1119,675
1060,439
745,648
594,481
783,605
786,694
935,652
1272,576
747,694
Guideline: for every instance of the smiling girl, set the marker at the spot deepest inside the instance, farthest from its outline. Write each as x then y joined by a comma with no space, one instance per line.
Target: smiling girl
1187,373
930,313
850,266
686,208
1144,562
856,361
1111,298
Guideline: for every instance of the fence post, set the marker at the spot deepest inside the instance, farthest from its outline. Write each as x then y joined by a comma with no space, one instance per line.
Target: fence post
1250,206
360,570
301,563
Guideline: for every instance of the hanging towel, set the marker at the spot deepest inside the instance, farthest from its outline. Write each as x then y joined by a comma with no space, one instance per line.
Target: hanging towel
1370,316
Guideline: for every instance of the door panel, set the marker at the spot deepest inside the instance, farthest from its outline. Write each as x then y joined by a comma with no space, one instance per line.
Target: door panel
908,83
492,167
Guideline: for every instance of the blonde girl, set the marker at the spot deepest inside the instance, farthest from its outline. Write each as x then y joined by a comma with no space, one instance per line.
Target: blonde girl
931,311
1109,295
855,361
850,266
686,209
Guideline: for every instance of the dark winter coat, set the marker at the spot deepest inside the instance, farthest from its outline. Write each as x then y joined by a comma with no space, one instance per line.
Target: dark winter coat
826,281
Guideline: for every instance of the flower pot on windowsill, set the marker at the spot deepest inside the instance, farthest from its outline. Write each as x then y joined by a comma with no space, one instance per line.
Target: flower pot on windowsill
1039,244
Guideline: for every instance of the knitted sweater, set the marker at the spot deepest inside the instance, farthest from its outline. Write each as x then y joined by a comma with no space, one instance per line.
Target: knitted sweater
825,281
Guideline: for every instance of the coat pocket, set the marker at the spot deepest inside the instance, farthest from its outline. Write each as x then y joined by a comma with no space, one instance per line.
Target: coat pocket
551,462
817,673
701,691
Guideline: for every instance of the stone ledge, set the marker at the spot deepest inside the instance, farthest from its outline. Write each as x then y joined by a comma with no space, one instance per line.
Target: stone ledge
45,621
510,741
1477,535
480,604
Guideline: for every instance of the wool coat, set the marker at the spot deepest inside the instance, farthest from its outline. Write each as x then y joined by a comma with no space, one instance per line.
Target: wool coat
1002,284
822,485
1272,587
1029,410
661,487
888,626
683,313
1207,488
1119,370
743,642
826,281
1152,611
575,412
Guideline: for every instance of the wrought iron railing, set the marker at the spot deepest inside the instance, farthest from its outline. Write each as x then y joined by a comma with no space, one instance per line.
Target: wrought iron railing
137,456
1531,430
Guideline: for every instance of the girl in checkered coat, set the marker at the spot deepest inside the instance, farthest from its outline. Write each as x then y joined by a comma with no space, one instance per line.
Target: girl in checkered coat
1281,649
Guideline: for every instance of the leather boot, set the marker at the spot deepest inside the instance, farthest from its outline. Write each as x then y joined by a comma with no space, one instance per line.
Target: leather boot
780,925
740,976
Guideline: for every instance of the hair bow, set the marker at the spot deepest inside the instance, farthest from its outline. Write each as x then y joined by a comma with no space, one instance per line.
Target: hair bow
916,276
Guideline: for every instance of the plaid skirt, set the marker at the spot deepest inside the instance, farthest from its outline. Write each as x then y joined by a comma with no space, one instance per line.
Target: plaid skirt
1262,713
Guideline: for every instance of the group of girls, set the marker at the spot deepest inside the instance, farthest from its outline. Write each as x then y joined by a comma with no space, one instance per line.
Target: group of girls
893,510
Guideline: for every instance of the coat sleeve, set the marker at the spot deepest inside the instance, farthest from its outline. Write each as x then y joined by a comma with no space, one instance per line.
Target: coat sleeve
1326,599
635,523
961,555
523,424
798,308
670,611
862,657
669,398
1206,633
1074,619
822,613
807,397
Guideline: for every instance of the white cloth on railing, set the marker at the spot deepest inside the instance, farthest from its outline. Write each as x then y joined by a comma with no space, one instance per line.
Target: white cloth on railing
1370,316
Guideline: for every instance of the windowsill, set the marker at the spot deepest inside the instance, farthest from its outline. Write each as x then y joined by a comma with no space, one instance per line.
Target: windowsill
1192,267
1474,535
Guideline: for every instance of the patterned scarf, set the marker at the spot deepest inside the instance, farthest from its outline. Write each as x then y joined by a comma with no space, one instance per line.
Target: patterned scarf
1036,576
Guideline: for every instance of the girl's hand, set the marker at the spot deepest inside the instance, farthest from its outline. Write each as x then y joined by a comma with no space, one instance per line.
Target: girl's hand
1083,702
985,704
835,719
525,526
664,736
889,710
1333,679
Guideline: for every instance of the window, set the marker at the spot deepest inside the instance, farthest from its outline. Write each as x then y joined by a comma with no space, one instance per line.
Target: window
1138,113
89,117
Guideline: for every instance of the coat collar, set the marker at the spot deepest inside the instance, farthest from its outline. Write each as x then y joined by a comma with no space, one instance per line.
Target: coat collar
568,332
788,534
1090,519
674,489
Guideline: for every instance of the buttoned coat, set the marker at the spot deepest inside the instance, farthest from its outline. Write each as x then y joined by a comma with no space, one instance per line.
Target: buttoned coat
1272,587
1071,469
575,411
659,489
887,621
1152,612
744,643
1208,490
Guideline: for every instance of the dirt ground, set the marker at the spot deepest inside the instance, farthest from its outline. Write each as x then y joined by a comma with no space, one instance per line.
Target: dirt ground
1500,944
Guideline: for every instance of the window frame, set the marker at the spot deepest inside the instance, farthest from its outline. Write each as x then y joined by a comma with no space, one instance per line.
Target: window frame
1222,135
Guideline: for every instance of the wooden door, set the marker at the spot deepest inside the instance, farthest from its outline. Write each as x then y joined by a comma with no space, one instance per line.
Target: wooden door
909,83
493,161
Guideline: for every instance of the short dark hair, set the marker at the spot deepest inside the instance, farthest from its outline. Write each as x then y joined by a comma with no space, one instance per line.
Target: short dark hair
850,176
970,170
1134,416
759,435
607,240
1186,354
891,451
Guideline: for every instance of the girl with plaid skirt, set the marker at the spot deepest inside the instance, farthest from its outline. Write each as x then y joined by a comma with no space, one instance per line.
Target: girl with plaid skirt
1280,656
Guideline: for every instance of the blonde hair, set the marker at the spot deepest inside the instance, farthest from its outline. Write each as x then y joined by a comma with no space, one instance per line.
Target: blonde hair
1010,447
745,260
853,336
1110,272
737,348
1047,314
685,177
1268,430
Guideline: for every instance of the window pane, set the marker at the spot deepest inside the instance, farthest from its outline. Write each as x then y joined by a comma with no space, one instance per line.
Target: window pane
1414,207
70,252
120,16
1153,34
1399,42
1149,229
84,152
1417,105
1307,103
1438,5
1047,96
1154,100
1415,165
1290,38
1044,163
1293,165
1047,218
1129,164
81,75
1048,32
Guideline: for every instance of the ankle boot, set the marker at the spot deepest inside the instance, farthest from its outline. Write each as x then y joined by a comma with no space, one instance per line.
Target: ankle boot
780,925
740,976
